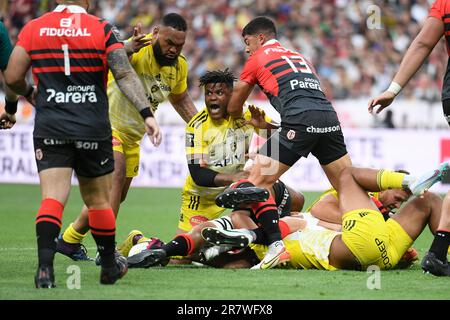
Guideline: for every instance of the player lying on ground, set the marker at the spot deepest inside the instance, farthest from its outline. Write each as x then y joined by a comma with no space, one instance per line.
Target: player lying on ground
189,243
311,236
366,239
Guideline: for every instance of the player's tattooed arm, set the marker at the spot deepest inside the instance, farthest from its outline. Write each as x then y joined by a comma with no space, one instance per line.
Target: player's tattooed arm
127,79
184,105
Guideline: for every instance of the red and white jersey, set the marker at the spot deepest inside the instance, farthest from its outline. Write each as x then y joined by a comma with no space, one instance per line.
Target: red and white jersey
441,10
68,50
287,78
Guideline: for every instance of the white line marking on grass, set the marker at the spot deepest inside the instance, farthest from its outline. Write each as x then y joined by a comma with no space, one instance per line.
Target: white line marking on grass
35,248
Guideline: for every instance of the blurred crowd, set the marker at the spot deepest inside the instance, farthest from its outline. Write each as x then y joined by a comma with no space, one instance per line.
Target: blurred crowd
354,55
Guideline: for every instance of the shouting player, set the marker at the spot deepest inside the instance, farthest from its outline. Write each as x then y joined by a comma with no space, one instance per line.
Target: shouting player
216,148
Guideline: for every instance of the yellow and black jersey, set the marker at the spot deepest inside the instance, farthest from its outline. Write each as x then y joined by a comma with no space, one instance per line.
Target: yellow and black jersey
158,83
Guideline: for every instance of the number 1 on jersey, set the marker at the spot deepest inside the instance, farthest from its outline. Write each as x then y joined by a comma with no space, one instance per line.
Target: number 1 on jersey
302,62
65,49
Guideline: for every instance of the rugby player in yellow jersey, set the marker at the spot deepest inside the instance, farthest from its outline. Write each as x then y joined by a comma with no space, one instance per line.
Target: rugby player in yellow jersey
366,239
320,215
158,61
216,149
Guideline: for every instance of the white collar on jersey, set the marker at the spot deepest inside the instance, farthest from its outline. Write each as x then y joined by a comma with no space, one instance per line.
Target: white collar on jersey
270,42
71,8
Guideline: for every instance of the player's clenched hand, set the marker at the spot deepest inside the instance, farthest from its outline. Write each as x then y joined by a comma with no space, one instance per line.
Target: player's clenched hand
383,101
153,131
7,120
137,42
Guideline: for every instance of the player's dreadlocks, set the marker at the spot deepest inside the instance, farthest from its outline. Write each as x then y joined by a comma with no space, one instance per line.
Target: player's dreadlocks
218,76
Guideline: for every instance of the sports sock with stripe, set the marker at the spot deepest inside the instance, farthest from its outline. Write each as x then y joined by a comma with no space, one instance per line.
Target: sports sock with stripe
71,235
387,179
102,223
48,226
441,244
181,245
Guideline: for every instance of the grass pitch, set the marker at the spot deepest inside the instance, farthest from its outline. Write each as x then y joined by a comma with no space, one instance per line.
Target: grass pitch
156,212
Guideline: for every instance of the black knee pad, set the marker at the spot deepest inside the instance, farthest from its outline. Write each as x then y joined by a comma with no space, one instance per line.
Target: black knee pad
283,199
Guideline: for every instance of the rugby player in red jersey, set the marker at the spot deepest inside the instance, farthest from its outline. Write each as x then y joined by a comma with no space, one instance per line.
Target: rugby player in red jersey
309,124
70,53
436,25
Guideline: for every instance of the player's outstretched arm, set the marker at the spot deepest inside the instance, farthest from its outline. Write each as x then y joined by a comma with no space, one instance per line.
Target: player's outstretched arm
241,92
184,105
420,49
132,88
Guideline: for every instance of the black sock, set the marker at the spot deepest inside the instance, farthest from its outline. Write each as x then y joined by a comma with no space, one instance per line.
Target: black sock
440,244
177,247
260,236
106,246
47,236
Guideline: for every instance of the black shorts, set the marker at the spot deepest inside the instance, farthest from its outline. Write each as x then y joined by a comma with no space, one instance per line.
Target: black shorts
88,158
316,132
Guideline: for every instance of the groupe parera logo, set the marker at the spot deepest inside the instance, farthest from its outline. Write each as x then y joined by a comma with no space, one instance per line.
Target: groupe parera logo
71,97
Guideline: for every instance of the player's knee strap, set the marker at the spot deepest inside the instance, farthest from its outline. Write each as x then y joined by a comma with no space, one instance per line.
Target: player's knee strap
223,223
282,198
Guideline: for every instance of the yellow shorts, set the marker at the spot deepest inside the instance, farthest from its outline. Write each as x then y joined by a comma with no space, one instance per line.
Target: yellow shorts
196,210
372,240
309,249
131,152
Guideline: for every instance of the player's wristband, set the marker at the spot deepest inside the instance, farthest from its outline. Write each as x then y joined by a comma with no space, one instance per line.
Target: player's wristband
395,88
11,106
145,113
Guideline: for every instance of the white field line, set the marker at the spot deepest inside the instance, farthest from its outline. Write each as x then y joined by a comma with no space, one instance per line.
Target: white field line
33,248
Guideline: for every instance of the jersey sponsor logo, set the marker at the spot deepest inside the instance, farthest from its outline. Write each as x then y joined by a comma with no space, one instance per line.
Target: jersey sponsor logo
290,135
307,83
53,142
275,49
116,142
74,94
39,154
64,32
189,140
86,145
312,129
196,220
284,201
384,254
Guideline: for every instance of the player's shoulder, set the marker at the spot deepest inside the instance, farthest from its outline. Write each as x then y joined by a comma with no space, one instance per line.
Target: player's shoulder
199,119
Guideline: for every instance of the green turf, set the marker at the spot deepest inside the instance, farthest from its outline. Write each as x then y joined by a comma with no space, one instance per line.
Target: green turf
156,211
